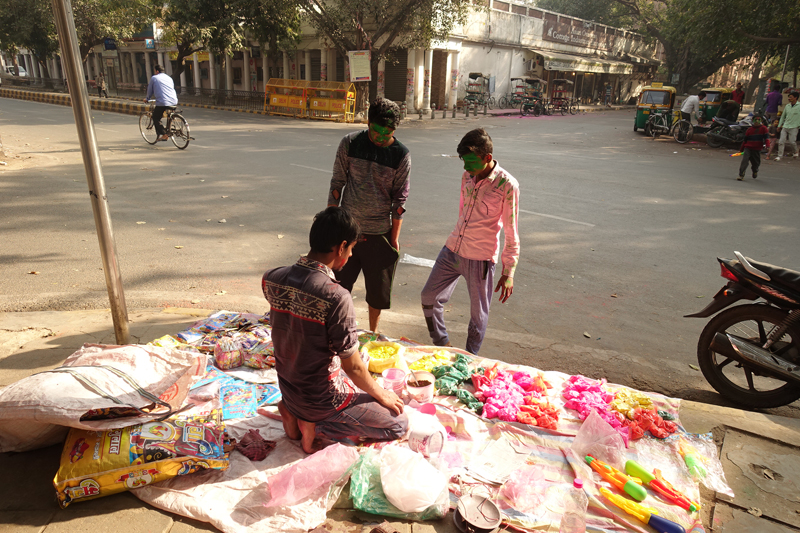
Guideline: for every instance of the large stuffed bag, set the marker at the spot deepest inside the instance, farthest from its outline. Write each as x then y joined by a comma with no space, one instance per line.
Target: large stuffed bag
99,387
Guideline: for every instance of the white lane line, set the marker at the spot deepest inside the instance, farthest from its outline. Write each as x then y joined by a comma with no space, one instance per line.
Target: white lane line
419,261
310,168
47,119
557,218
112,131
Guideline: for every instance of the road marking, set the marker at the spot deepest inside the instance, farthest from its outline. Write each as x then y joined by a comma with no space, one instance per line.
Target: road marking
103,129
557,218
310,168
419,261
47,119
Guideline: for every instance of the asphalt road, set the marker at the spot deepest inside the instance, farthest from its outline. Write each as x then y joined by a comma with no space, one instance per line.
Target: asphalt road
619,232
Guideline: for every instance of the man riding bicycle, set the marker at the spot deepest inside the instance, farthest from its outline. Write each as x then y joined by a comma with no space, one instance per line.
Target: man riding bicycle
162,88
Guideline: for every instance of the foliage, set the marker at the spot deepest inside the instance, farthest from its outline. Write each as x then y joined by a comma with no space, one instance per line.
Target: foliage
699,36
609,12
219,26
29,24
382,26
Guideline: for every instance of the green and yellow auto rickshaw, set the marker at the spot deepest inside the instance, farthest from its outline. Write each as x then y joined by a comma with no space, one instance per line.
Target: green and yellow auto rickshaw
714,98
656,95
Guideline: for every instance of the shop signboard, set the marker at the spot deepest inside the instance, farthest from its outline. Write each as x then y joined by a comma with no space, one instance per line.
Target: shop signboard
585,35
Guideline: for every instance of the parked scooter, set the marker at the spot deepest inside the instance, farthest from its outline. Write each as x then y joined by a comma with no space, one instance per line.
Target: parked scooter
751,353
727,131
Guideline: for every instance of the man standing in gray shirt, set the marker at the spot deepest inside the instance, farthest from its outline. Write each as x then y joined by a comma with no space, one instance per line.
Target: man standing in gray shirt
371,181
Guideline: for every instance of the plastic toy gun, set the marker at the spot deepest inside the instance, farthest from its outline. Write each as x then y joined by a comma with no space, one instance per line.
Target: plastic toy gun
693,460
661,486
737,154
631,486
645,514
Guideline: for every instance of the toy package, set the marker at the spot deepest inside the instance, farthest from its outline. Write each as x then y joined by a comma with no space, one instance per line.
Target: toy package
100,463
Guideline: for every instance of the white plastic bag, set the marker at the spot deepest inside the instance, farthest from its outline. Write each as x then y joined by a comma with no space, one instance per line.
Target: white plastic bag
410,482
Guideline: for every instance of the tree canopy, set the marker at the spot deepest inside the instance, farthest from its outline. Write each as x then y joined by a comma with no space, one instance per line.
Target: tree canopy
699,36
383,26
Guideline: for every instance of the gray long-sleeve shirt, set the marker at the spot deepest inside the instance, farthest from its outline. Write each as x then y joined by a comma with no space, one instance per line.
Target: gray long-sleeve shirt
372,182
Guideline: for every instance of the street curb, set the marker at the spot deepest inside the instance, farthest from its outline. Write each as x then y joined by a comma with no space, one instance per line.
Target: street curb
100,104
128,108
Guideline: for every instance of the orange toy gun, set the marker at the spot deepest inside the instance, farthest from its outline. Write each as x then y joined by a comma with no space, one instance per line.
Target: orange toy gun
737,154
645,514
630,485
661,486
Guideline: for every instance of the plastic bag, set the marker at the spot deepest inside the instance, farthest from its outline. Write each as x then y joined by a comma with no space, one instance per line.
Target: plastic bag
410,482
368,496
228,354
526,488
598,438
315,471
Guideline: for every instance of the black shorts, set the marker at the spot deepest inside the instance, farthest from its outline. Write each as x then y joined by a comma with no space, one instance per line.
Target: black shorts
378,260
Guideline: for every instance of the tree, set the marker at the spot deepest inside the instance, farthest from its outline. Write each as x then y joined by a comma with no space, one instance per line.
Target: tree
273,23
195,25
28,24
382,26
95,20
696,34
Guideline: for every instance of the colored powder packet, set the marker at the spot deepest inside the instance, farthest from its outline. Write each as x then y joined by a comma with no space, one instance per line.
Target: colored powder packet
212,374
238,400
268,394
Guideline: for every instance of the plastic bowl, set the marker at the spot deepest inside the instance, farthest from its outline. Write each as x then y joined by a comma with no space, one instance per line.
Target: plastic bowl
424,393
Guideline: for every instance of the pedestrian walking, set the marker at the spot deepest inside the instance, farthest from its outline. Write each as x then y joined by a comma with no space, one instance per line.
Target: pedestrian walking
773,100
789,125
738,95
100,82
772,142
754,139
489,203
371,182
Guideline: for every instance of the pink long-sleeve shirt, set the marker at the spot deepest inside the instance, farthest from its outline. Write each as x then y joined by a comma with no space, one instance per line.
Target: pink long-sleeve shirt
486,207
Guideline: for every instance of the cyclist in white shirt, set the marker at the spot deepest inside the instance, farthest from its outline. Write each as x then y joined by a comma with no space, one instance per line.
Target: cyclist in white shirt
162,88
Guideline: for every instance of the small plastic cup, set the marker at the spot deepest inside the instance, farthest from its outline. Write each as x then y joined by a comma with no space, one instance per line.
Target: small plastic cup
424,393
393,379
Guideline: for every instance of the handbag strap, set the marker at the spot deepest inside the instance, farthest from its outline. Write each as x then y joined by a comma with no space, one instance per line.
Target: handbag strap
100,392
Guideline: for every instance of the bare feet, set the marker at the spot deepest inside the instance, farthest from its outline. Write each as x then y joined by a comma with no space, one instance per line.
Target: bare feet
308,430
290,425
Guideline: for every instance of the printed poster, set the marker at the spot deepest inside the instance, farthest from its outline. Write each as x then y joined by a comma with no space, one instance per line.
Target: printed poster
359,65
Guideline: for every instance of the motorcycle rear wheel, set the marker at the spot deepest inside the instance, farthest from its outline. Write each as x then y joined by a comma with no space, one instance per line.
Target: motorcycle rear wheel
713,140
741,383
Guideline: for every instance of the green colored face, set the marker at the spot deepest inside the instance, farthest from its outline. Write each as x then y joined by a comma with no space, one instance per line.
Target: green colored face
473,164
756,122
380,135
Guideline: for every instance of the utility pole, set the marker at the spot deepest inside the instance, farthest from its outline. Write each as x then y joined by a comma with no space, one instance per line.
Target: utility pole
70,57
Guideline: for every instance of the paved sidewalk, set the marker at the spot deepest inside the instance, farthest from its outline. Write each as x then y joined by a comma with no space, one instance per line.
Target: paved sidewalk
759,452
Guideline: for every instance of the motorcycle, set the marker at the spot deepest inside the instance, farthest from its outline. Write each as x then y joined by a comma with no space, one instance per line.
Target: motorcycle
726,131
750,353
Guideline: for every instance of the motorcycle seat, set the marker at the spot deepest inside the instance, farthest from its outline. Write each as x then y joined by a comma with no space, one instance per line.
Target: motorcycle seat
783,276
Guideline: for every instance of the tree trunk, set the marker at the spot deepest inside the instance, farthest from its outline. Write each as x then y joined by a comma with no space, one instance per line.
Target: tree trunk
755,78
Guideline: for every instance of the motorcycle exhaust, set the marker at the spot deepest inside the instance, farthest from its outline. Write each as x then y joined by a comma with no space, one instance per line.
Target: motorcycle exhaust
742,351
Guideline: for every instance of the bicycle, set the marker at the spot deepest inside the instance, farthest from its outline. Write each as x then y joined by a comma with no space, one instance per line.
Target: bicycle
574,107
177,128
682,131
657,123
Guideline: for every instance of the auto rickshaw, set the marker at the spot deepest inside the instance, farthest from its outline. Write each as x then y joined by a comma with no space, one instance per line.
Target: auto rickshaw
656,95
714,98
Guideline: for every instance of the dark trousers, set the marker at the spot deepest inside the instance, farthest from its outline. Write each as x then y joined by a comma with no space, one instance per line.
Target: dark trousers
100,92
750,156
158,114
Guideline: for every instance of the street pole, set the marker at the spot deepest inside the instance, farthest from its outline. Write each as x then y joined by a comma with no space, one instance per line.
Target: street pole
70,56
785,59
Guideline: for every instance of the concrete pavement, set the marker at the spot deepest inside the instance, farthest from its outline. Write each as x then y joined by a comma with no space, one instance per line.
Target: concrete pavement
764,481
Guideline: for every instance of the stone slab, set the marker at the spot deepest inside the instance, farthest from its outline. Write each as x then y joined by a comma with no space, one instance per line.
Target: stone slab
729,519
764,474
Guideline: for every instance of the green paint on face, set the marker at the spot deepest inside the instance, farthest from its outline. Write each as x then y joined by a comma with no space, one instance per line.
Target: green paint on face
473,164
380,135
756,122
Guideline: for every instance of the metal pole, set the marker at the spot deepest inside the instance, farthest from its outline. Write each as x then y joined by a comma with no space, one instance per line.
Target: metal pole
68,40
785,59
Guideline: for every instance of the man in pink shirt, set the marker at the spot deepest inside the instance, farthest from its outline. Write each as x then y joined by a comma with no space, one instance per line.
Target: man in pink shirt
489,203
